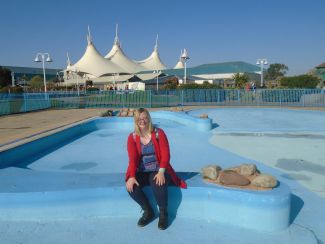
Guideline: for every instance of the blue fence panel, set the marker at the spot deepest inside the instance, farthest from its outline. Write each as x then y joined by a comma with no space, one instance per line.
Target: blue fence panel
17,103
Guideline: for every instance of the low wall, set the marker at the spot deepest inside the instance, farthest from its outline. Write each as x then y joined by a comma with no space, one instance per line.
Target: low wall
258,210
56,197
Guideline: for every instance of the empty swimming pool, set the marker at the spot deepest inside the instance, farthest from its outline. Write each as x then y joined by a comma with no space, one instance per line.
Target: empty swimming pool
93,156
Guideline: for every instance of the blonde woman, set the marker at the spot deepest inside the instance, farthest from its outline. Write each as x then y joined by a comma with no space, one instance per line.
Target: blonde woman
149,155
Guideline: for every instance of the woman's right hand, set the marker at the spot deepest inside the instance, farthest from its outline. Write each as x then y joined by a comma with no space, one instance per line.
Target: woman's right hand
129,184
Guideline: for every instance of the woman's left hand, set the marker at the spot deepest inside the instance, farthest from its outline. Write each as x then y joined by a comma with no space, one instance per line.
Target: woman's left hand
160,178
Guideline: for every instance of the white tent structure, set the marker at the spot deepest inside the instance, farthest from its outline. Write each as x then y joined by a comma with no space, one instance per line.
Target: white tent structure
117,56
153,62
148,76
111,79
94,64
180,63
114,67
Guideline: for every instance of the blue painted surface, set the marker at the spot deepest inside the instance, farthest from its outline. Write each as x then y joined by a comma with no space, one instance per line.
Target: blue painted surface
218,203
267,211
82,169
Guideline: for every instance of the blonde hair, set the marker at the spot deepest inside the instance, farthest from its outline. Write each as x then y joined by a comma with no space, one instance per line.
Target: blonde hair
136,117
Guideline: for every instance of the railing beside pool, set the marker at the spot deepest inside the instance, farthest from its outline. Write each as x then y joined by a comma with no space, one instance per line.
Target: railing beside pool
19,103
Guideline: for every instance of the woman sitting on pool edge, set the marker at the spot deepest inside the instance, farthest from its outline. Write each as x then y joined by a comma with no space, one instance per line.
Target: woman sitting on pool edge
148,151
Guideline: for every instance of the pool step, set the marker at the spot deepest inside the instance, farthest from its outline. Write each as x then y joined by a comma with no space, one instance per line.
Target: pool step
258,210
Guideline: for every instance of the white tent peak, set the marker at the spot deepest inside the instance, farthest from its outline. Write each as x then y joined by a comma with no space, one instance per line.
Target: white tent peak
68,62
156,46
94,64
89,39
117,56
116,40
180,63
153,62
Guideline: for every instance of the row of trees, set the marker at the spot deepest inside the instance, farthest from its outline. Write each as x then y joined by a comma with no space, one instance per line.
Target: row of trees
35,83
274,75
172,84
5,77
276,71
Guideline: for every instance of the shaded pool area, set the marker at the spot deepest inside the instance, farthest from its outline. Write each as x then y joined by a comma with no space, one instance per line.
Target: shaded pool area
93,161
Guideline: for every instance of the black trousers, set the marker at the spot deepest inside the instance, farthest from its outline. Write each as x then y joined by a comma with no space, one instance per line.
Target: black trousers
160,192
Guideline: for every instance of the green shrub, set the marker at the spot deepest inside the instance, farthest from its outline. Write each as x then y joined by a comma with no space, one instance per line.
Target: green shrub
300,81
11,89
205,85
92,89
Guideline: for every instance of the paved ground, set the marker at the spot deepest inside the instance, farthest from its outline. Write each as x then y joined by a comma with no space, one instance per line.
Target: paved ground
15,127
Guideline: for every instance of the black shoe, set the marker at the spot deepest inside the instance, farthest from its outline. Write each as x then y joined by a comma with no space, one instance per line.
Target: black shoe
163,219
146,218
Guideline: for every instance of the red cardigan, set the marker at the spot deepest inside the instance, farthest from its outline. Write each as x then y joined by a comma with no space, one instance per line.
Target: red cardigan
161,146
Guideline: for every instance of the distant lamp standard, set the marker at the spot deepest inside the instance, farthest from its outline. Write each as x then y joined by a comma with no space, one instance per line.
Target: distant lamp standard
85,85
184,58
12,79
158,73
40,57
76,71
115,80
262,62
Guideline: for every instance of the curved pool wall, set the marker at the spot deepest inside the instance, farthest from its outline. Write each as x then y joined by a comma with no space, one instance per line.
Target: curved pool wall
30,150
201,124
258,210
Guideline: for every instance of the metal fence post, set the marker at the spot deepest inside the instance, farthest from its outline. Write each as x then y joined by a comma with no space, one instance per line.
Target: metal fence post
150,99
25,102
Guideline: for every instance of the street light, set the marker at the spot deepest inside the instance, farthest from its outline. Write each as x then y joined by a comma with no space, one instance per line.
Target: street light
262,62
185,57
158,73
40,57
115,80
12,79
76,71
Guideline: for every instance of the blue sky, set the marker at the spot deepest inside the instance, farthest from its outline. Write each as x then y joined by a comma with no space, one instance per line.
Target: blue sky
283,31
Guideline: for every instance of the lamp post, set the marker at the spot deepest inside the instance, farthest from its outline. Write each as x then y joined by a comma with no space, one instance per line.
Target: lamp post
158,73
12,79
262,62
184,58
40,57
85,77
76,71
115,77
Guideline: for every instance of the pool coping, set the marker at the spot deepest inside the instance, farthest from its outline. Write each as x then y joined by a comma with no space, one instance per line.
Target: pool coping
41,134
238,207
